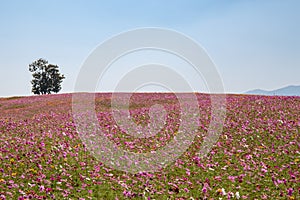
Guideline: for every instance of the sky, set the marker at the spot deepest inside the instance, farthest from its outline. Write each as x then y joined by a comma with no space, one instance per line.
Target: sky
254,44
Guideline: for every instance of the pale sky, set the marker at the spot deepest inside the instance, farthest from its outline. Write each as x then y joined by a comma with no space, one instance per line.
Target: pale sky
254,44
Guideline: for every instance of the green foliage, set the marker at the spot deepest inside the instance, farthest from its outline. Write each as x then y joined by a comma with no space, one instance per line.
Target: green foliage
46,77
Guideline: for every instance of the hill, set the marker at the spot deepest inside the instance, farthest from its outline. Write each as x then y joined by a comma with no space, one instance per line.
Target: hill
46,154
291,90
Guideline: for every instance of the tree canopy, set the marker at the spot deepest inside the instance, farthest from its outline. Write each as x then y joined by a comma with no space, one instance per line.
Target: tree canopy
46,78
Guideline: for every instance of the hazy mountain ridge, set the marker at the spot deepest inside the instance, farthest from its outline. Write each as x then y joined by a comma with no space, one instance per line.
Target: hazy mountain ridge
291,90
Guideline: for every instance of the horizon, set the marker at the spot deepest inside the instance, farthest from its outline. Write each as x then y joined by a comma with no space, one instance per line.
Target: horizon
156,92
254,45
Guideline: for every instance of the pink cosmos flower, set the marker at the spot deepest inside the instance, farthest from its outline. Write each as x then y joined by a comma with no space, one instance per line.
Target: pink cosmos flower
42,188
290,191
232,178
204,189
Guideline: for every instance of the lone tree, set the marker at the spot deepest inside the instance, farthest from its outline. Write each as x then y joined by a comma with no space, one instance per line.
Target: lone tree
46,77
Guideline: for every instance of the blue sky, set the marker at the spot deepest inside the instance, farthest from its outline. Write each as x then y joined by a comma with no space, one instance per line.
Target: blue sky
254,44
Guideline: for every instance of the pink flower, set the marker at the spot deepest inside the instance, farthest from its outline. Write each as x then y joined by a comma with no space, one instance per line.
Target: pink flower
127,193
290,191
48,190
232,178
204,189
264,170
42,188
188,172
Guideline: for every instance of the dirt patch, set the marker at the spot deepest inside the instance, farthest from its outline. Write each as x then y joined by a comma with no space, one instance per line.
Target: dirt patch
12,98
15,106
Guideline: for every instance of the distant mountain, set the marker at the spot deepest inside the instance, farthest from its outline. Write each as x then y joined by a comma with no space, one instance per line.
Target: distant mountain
291,90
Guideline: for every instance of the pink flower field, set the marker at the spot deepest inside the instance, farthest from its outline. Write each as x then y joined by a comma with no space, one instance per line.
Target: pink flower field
257,156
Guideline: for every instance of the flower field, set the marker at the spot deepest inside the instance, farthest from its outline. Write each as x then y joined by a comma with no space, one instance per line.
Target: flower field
257,156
